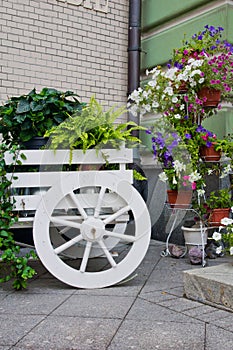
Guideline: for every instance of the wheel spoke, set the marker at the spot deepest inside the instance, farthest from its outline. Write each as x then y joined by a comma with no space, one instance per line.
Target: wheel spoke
85,257
68,244
76,202
63,222
118,213
107,253
126,238
100,199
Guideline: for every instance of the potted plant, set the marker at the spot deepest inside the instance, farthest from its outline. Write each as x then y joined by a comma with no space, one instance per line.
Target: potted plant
178,171
219,202
93,128
207,59
224,235
31,115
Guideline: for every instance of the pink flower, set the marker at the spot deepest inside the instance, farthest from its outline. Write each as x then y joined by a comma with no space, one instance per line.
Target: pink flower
194,186
186,177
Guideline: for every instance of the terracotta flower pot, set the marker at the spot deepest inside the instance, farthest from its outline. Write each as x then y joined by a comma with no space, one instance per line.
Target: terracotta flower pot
217,215
210,96
179,199
208,154
183,87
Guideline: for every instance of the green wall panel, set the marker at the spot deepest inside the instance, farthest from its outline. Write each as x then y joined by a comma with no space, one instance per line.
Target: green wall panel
155,12
157,48
221,123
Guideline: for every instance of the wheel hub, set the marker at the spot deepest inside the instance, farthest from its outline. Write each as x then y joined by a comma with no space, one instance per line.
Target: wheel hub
92,229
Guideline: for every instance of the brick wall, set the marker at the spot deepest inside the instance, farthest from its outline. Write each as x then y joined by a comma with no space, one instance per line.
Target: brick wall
59,44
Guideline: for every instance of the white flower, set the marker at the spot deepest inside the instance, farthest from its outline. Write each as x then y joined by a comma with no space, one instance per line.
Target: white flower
226,221
177,116
152,83
174,180
200,193
217,236
155,104
194,72
231,250
133,109
225,171
201,80
174,99
182,107
218,250
232,209
171,73
135,95
210,171
163,177
147,107
179,166
194,176
169,91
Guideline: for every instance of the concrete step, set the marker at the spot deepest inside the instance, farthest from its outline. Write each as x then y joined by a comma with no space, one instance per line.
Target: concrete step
211,285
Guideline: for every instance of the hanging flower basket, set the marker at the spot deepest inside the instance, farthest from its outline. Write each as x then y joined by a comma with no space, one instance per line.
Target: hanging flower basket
209,154
210,96
179,199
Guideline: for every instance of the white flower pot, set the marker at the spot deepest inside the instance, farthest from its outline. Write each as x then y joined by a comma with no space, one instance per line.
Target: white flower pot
194,236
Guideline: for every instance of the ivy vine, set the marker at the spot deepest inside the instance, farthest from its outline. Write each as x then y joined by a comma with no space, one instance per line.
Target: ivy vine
13,265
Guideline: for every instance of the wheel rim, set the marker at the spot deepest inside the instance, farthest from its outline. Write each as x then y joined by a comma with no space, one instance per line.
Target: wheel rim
92,231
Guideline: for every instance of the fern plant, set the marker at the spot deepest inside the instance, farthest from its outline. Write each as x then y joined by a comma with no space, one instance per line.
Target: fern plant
93,128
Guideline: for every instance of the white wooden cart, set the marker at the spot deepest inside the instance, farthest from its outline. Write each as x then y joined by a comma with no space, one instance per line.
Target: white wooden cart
91,229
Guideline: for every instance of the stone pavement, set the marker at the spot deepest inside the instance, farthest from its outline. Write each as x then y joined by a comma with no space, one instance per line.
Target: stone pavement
148,312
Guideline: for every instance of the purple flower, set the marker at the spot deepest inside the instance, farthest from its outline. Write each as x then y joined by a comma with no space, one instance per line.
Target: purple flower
200,129
208,144
178,65
188,136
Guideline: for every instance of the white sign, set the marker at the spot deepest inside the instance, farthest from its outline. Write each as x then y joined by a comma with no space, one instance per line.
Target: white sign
98,5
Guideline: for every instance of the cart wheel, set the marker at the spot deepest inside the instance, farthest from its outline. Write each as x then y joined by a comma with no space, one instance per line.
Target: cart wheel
60,236
92,229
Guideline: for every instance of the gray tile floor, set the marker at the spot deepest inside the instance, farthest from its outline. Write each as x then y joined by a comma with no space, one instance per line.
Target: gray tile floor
148,312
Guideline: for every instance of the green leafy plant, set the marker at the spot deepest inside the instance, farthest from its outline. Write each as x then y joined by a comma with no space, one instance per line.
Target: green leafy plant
93,128
13,266
32,114
219,199
202,43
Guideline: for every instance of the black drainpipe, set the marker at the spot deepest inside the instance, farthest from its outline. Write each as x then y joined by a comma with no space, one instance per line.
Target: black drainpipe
134,49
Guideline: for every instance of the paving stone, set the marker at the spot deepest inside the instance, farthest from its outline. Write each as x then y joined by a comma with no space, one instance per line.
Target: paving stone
131,288
95,306
51,286
217,338
157,296
144,310
212,285
15,328
225,322
207,317
142,334
66,333
21,303
179,304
